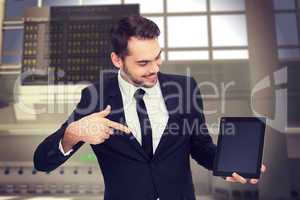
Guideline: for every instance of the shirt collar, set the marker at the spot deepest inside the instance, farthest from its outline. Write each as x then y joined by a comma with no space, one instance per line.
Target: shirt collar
128,89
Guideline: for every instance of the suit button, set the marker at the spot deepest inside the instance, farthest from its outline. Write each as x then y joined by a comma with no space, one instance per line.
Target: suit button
152,166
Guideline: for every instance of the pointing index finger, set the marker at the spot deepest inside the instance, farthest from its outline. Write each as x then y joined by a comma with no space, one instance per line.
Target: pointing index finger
116,125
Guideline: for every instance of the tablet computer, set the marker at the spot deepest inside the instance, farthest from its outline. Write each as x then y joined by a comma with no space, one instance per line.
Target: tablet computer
240,146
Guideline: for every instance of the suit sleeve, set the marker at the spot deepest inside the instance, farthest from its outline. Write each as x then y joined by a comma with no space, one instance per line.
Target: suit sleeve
47,155
203,149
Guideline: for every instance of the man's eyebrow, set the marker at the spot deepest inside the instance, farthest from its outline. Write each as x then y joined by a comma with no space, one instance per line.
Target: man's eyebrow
142,61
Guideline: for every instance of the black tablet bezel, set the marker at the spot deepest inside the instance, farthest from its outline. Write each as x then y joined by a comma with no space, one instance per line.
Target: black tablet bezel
262,120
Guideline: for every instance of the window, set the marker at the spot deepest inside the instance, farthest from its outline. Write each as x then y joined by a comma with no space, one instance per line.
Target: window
287,28
289,53
60,2
186,6
187,31
188,55
227,5
12,46
13,31
14,9
287,18
100,2
201,29
233,29
146,6
284,4
230,54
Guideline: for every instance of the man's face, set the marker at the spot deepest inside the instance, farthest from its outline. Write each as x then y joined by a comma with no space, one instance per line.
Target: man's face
142,63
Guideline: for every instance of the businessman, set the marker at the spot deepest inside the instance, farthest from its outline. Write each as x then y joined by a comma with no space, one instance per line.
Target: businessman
142,125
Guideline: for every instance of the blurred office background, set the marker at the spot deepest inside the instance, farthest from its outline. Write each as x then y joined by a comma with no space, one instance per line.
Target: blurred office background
243,53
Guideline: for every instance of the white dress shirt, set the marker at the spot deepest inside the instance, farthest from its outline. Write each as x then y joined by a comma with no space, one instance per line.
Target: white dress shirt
156,109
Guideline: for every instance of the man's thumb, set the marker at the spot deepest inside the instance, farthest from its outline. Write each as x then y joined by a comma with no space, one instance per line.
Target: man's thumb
106,111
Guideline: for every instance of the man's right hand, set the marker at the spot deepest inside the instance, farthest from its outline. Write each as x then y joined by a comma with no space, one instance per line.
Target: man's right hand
93,129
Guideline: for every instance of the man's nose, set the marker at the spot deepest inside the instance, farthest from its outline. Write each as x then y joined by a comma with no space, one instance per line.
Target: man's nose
155,66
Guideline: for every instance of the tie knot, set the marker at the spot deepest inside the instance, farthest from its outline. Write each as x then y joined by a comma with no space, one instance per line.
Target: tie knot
139,94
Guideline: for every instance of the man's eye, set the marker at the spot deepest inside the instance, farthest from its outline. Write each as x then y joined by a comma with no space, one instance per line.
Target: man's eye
143,64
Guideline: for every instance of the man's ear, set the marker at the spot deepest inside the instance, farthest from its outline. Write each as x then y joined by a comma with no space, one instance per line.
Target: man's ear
116,60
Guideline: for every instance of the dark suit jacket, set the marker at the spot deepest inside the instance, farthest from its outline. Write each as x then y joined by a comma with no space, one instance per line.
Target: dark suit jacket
127,170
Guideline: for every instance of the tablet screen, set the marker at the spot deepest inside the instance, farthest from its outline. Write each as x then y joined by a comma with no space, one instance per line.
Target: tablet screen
240,146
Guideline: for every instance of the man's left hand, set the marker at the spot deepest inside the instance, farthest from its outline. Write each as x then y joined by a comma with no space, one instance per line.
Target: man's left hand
237,178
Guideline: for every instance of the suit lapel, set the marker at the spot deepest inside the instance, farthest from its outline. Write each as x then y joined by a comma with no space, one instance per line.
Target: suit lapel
121,139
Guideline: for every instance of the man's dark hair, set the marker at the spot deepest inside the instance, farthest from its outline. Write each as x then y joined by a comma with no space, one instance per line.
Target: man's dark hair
132,26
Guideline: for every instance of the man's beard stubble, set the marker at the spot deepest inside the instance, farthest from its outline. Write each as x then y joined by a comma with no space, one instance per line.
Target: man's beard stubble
136,82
